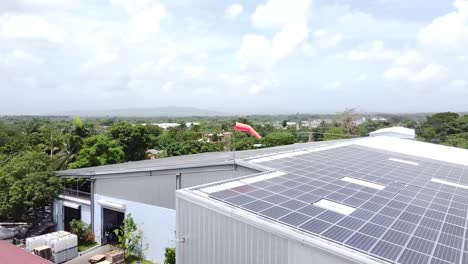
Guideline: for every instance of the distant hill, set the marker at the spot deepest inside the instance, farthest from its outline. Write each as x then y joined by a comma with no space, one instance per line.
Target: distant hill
170,111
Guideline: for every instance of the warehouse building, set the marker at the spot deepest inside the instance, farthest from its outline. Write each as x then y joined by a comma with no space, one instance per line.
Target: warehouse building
370,200
397,132
146,189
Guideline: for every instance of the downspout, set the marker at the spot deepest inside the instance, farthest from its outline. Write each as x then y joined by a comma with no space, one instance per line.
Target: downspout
92,182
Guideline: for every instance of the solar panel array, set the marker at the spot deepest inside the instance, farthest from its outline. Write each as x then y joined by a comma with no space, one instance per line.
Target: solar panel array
412,220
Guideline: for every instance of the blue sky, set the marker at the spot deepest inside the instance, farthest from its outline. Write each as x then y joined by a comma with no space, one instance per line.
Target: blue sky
265,56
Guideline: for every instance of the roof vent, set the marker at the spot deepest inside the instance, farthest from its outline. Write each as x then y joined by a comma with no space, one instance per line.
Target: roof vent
363,183
335,207
404,161
449,183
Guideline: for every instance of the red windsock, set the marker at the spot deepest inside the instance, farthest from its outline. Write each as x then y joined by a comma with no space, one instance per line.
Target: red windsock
246,128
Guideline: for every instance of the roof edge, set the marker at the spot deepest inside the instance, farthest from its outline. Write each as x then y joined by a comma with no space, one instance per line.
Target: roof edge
277,228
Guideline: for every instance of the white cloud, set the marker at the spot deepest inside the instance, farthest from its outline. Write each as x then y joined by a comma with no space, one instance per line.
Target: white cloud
237,79
277,13
30,27
459,84
132,6
409,57
193,72
260,86
448,31
254,50
397,74
288,19
362,77
146,22
286,40
21,57
234,10
168,86
430,72
325,39
101,59
372,51
332,86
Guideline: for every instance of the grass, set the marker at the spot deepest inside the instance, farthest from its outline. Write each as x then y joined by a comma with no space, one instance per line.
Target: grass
135,260
84,247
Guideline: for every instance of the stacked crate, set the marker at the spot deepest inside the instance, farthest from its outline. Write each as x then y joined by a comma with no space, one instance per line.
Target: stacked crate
97,259
115,257
63,245
44,252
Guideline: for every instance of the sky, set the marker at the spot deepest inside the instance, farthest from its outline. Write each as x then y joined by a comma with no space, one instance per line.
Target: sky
256,56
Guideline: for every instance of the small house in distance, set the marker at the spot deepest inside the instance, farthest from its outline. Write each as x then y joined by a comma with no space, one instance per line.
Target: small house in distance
397,132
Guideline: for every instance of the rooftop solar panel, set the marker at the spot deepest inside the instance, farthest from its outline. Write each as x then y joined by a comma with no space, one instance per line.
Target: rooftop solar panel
412,219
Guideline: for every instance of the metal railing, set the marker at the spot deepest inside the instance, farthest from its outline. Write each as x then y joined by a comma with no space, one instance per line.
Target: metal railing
75,193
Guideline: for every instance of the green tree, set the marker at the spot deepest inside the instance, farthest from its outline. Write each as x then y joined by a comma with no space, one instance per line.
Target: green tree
438,127
26,185
134,139
129,238
348,121
169,256
371,125
335,133
154,129
284,124
278,139
457,140
98,150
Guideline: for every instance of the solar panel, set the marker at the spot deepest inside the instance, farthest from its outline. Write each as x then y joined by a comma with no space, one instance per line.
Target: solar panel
387,250
294,219
315,226
411,220
275,212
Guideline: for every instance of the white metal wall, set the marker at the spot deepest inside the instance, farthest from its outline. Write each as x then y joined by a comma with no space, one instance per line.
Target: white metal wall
212,238
156,223
59,214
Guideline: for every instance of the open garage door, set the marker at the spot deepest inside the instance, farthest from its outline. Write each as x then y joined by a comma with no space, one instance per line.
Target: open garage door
111,220
71,211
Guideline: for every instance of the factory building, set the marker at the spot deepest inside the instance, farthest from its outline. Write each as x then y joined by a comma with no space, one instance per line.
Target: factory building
369,200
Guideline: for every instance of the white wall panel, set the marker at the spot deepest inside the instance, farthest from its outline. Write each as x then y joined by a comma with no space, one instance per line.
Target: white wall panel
156,223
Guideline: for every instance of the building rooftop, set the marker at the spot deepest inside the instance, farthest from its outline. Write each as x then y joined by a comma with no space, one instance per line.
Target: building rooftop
10,254
394,200
187,161
402,131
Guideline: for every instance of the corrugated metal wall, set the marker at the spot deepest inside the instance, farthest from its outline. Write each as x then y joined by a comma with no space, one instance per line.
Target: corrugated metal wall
158,187
194,178
214,238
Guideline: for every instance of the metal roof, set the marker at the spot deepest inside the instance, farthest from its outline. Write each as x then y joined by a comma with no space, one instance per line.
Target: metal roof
10,254
187,161
396,200
402,131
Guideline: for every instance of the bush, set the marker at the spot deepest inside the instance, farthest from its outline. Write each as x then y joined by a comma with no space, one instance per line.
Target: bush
82,231
169,256
129,238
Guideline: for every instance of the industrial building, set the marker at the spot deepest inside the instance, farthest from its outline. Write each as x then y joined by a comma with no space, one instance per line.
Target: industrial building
397,132
146,189
369,200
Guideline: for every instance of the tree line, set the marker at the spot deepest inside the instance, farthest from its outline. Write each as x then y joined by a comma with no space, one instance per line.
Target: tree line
31,149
